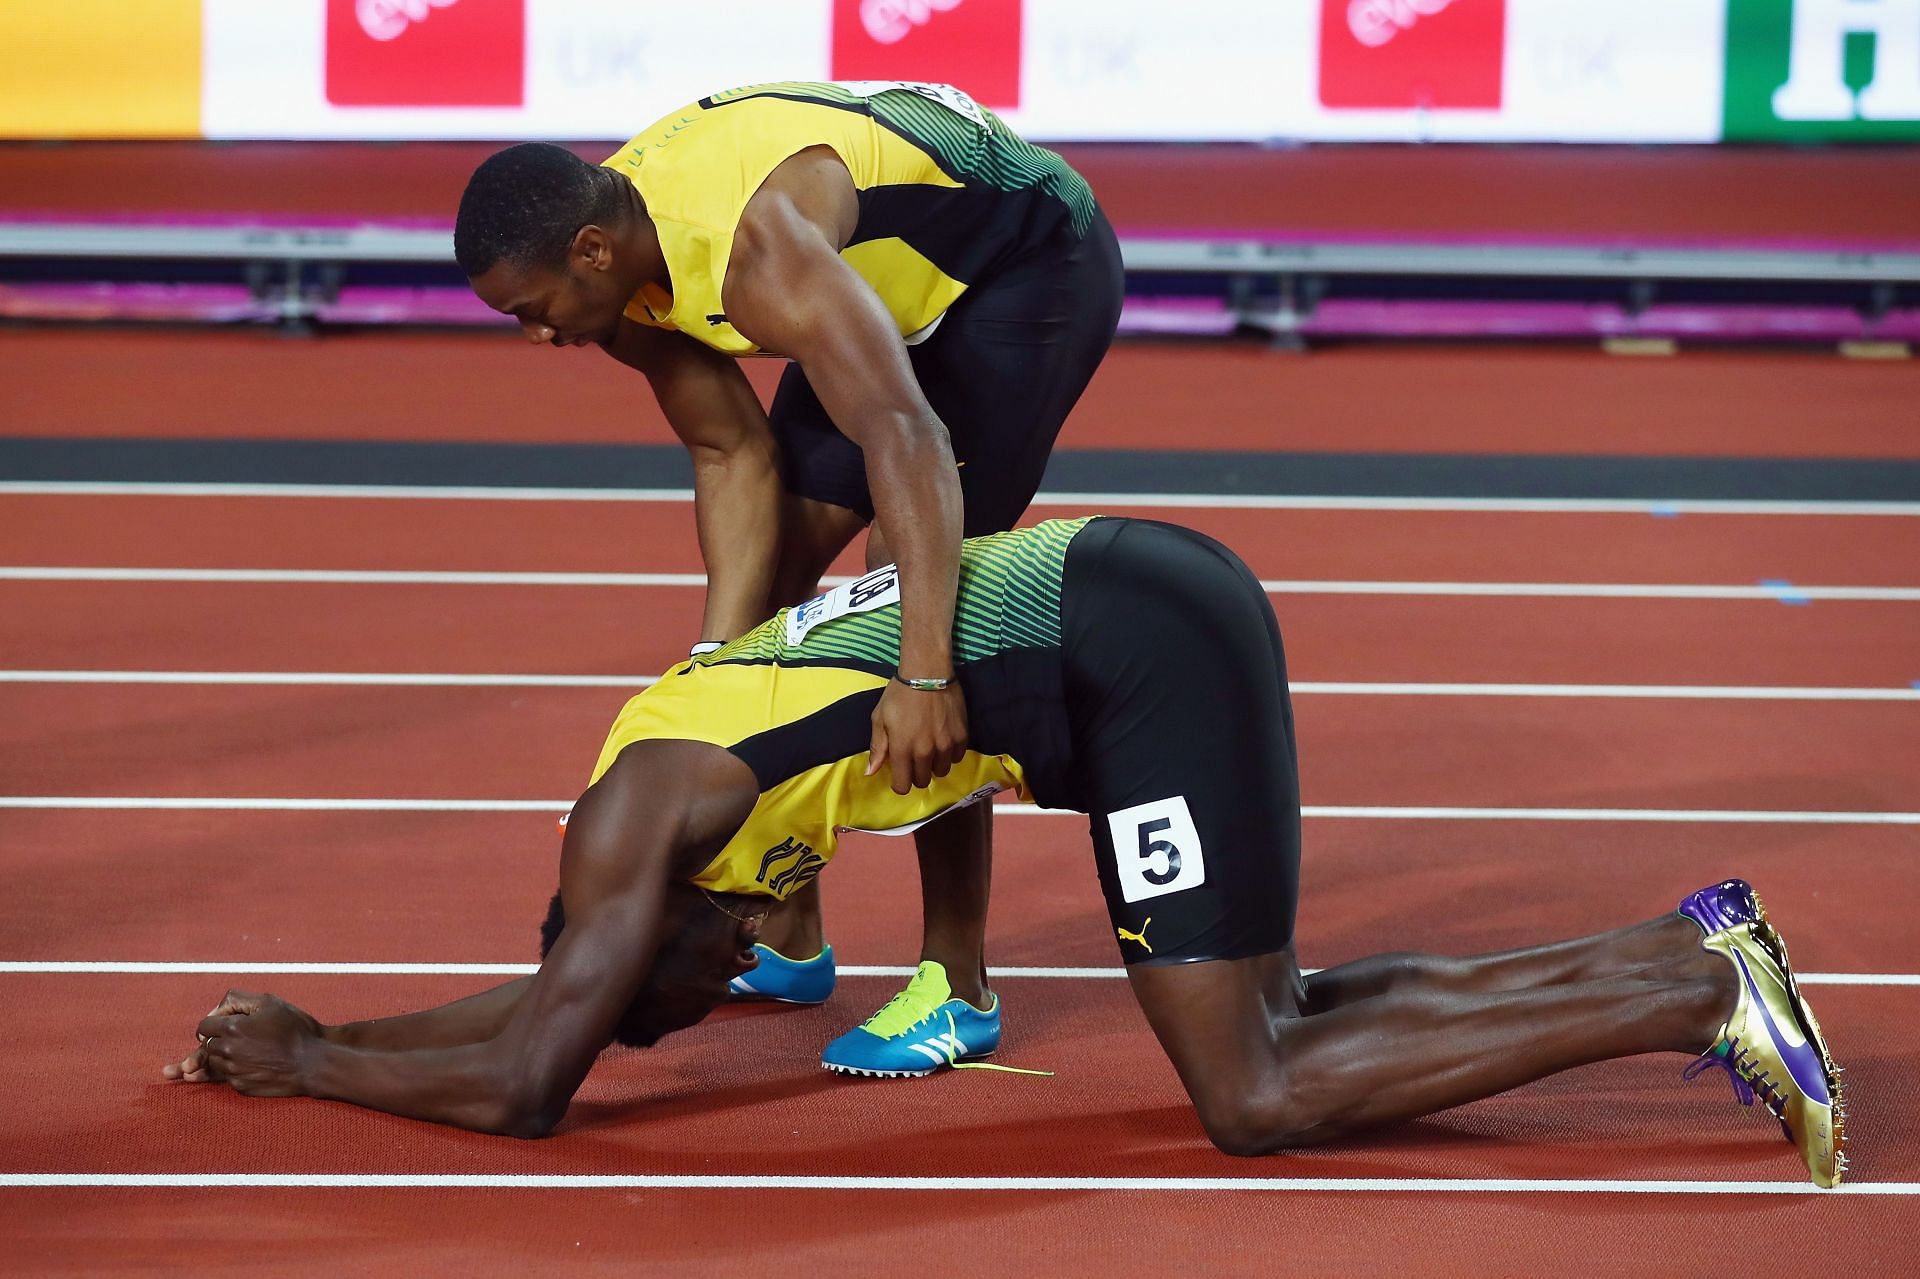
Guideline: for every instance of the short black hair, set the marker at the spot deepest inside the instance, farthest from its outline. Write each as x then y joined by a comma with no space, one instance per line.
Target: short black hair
523,205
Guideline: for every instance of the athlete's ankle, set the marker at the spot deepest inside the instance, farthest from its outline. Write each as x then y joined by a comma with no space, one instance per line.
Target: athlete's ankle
1710,1001
966,978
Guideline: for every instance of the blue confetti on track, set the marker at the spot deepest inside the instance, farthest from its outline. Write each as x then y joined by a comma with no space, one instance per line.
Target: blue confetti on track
1783,591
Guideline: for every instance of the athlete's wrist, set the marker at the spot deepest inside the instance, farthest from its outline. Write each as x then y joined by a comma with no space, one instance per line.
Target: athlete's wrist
924,684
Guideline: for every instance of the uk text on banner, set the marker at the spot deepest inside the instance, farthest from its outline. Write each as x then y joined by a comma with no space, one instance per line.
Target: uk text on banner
1823,70
551,68
1412,53
1331,70
972,44
100,69
1503,70
426,53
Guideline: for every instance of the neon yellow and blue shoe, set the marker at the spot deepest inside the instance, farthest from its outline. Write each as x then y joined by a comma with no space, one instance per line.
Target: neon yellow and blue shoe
922,1029
1771,1046
783,980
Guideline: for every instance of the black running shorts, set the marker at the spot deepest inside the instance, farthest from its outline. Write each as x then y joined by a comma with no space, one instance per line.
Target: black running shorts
1002,371
1182,736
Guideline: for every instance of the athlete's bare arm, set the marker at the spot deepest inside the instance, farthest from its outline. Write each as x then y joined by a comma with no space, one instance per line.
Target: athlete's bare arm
736,467
788,290
663,806
472,1020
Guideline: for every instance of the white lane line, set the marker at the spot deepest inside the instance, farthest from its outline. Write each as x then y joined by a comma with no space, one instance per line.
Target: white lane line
201,803
258,804
1701,692
1598,590
1710,815
1788,593
76,967
1338,688
324,968
410,679
649,1181
1077,501
388,492
348,577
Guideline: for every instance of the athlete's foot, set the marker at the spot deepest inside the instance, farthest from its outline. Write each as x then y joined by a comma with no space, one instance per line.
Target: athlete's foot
921,1029
1770,1044
783,980
796,964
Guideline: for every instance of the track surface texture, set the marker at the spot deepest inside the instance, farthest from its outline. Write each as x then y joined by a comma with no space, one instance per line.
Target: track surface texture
1515,725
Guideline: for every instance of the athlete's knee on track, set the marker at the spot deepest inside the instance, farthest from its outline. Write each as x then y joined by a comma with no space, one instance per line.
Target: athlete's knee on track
1288,1103
1272,1114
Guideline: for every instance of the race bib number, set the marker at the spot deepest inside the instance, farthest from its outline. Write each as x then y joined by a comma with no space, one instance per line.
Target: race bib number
945,94
1156,849
862,595
985,792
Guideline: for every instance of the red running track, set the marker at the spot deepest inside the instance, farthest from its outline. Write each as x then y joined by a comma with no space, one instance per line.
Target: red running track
539,743
624,537
252,888
491,386
743,1096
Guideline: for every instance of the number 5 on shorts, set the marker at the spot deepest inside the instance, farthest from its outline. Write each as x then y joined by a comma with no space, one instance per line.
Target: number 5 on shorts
1156,849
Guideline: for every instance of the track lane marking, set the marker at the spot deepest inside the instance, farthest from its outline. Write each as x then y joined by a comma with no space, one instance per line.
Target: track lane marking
1339,688
1084,501
355,968
380,679
198,803
449,577
658,1181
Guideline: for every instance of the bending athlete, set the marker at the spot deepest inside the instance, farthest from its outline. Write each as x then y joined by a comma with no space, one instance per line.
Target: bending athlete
1096,655
943,291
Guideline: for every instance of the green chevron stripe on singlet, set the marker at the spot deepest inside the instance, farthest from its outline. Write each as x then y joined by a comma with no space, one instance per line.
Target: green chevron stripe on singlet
995,156
1009,598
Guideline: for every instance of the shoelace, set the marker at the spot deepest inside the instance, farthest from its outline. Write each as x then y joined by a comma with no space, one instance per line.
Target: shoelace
1711,1058
915,1005
905,1010
953,1058
1740,1067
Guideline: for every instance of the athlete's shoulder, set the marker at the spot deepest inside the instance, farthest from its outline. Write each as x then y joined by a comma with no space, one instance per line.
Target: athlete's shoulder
634,154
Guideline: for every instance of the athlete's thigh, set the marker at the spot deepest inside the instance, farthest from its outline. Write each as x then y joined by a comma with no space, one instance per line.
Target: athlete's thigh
817,462
812,534
1183,751
1007,366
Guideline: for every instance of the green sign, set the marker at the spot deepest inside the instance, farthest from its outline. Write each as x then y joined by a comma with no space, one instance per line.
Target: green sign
1822,70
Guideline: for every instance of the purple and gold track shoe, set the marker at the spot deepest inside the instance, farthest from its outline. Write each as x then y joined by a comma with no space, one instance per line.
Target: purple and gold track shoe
1771,1046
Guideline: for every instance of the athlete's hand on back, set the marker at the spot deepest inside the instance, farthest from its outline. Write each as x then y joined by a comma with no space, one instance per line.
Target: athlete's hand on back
921,734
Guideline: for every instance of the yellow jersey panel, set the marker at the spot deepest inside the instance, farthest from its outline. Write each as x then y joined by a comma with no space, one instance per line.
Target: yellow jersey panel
916,289
794,829
793,700
958,191
726,704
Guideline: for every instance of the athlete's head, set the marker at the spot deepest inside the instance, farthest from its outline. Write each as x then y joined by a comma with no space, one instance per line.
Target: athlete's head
707,941
536,236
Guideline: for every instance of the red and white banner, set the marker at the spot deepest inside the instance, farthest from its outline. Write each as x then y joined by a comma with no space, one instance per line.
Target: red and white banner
1346,70
426,53
971,44
1434,54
